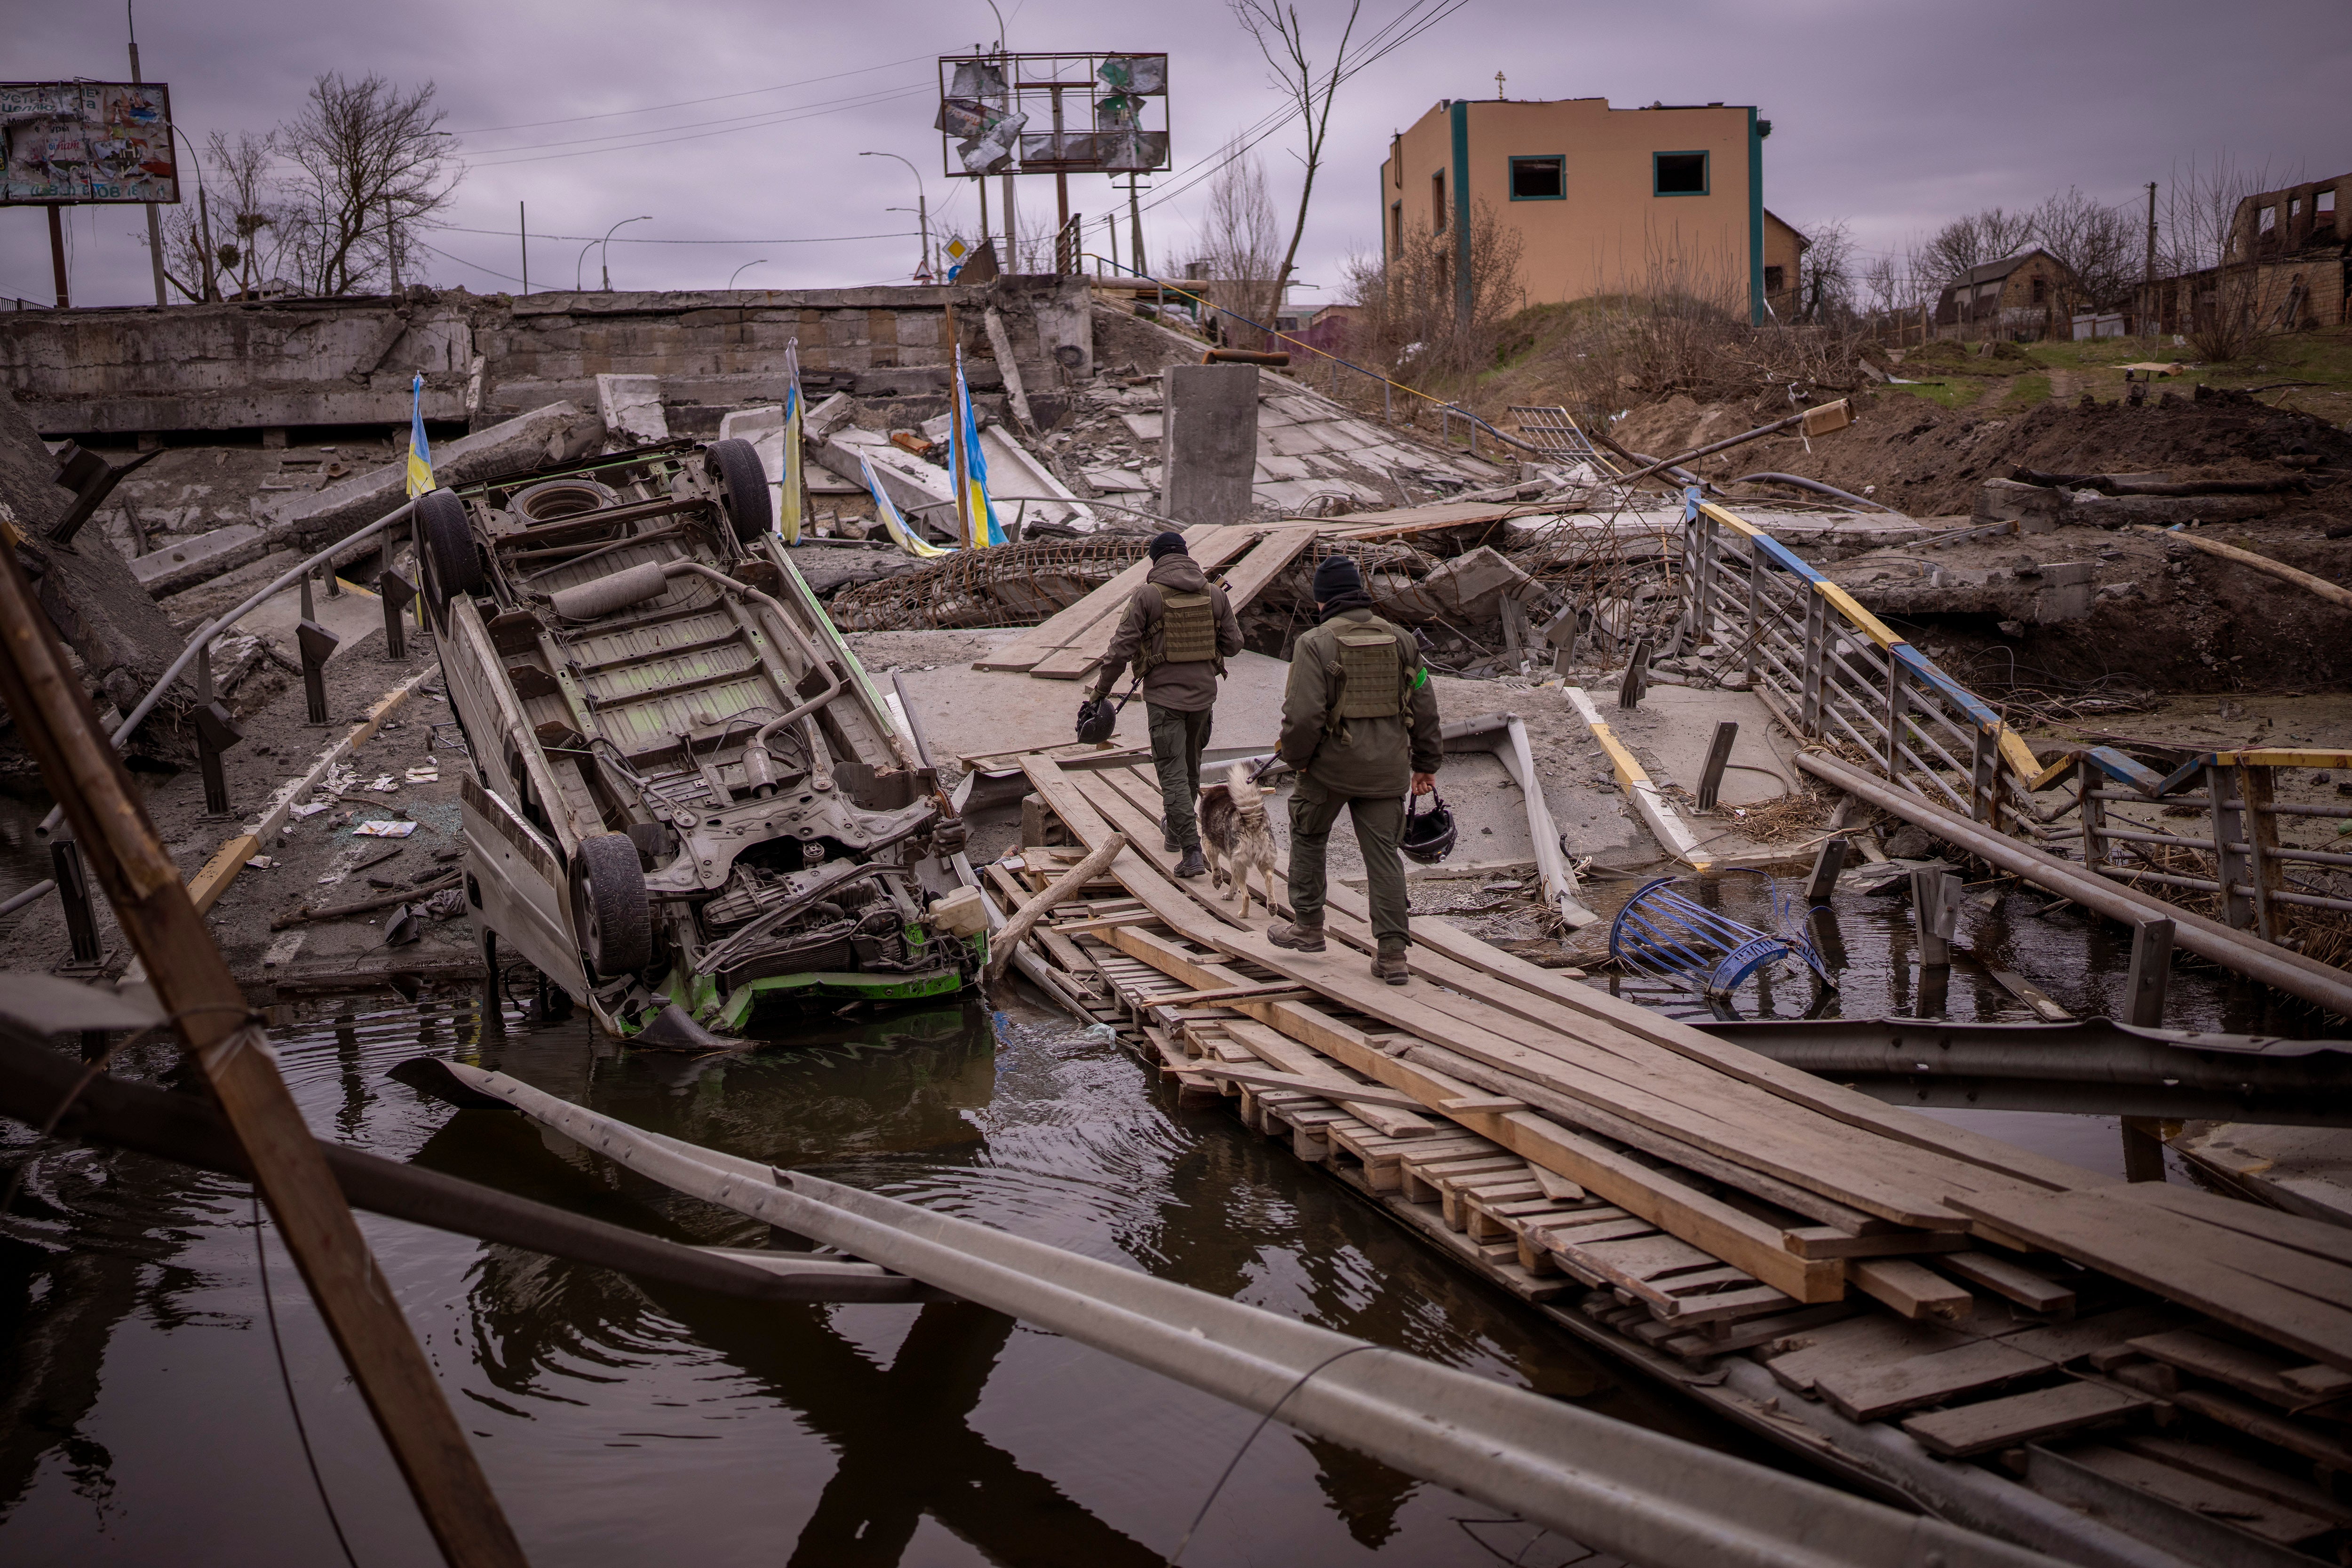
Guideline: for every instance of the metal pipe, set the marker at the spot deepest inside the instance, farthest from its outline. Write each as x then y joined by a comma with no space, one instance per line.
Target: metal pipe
1645,1496
33,894
219,624
1803,483
2316,982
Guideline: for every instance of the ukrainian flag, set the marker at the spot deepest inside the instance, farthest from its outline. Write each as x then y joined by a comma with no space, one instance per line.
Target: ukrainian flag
420,454
969,465
789,501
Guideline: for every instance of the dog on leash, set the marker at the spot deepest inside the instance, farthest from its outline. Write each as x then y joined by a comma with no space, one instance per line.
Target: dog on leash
1234,832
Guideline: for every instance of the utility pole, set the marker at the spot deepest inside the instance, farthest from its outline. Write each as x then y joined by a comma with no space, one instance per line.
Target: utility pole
155,221
58,253
1134,226
523,229
2148,309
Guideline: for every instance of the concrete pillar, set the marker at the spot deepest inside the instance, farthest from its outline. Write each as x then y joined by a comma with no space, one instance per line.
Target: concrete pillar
1208,442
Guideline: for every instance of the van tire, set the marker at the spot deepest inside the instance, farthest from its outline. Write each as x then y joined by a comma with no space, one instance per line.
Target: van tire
609,907
453,564
735,464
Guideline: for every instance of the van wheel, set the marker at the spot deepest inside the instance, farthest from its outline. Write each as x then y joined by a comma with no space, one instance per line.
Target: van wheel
735,464
609,908
453,565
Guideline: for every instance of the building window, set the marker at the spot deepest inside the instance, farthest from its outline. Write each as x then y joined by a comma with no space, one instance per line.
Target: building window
1539,179
1679,173
1775,280
1396,228
2042,290
1437,200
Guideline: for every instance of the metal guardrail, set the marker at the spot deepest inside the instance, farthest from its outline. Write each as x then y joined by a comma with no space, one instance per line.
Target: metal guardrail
1836,673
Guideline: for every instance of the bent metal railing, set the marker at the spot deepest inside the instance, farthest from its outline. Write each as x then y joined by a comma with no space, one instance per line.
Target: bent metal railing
1833,672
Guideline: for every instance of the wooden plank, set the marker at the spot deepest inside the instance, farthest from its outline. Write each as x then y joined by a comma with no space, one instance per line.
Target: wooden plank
2248,1372
1721,1116
1729,1232
1085,648
2320,1239
2022,1417
2290,1297
2200,1494
1828,1241
2234,1468
1266,560
1393,1121
1913,1291
1057,630
2295,1436
1869,1391
1228,994
2004,1277
1858,1344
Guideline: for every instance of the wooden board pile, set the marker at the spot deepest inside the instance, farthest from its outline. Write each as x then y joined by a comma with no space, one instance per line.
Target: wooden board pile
1710,1203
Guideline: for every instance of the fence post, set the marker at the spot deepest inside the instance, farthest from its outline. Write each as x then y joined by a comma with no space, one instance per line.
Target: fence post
2269,876
2230,859
1984,782
1817,628
1895,705
2086,784
1755,613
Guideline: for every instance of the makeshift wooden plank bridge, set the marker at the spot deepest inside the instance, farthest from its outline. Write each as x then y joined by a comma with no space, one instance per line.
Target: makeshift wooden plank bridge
1924,1308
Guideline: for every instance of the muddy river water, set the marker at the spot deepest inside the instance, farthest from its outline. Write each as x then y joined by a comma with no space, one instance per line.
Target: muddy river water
144,1418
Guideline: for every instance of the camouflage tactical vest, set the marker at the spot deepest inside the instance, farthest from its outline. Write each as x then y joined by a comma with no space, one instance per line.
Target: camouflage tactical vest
1188,632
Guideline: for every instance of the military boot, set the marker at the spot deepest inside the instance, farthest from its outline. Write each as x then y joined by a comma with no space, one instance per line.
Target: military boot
1168,838
1191,866
1296,935
1390,964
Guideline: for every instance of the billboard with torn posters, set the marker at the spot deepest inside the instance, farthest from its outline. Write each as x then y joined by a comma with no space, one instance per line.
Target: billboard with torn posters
86,142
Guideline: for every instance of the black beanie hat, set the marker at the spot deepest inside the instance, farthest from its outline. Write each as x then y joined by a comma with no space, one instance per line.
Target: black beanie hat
1169,543
1337,575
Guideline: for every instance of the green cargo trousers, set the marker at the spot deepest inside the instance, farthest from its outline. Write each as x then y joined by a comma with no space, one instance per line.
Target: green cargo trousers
1176,740
1380,827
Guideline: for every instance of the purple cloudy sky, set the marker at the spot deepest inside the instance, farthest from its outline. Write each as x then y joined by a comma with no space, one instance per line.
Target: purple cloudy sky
1893,118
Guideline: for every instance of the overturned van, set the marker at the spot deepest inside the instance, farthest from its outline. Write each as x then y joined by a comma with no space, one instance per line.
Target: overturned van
687,805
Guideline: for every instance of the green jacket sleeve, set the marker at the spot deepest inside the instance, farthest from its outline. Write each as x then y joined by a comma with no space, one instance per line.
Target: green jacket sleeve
1125,643
1428,741
1305,702
1229,626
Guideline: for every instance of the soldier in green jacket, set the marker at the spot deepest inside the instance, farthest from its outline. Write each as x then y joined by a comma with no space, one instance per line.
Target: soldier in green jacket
1178,630
1359,728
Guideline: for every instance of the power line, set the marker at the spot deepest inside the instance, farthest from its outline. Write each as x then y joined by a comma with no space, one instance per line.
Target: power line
689,103
738,122
493,162
813,239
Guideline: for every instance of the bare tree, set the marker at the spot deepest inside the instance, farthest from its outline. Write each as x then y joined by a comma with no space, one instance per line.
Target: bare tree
2095,243
2222,289
1241,244
1409,314
1281,37
1827,271
370,166
1973,240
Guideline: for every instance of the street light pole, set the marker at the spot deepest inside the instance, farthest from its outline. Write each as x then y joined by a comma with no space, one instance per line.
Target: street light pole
740,270
922,208
922,262
604,253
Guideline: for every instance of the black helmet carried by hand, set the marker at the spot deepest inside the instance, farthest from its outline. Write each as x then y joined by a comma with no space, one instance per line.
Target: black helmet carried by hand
1429,836
1097,716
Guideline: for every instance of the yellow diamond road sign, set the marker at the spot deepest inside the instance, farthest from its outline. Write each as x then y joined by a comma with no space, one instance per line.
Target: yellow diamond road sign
956,248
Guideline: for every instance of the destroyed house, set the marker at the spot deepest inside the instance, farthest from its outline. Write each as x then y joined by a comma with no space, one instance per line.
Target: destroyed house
2288,263
1668,198
2020,298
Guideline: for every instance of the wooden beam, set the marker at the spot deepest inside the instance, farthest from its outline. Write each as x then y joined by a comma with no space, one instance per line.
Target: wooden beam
1260,1077
1913,1291
222,1033
1008,936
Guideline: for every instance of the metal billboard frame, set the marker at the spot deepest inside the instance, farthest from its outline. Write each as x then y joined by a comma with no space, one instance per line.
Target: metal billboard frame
980,93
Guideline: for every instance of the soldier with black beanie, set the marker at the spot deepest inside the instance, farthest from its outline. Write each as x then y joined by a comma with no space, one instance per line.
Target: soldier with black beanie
1178,631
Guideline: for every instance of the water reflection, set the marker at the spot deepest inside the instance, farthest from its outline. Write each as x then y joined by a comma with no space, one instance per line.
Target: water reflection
621,1422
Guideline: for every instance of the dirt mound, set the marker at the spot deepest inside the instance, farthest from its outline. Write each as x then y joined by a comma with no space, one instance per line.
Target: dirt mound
1929,462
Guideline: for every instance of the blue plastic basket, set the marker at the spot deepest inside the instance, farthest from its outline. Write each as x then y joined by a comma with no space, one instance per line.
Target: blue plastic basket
1664,935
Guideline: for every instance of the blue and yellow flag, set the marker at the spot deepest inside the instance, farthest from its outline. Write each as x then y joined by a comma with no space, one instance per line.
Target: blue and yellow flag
420,455
906,538
968,465
790,493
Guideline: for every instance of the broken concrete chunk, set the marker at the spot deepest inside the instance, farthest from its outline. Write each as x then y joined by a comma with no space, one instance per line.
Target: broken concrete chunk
1472,587
631,410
